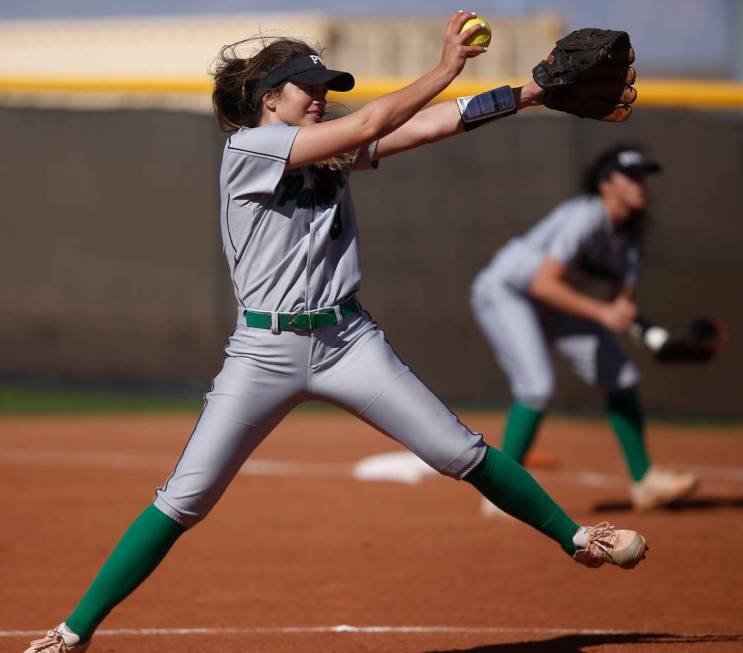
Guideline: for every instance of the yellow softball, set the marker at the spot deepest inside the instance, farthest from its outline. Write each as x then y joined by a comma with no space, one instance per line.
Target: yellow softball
481,38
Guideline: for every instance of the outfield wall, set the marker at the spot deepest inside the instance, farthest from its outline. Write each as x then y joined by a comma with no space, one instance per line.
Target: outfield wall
111,263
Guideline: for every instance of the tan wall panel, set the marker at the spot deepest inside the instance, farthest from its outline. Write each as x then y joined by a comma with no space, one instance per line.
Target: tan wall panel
110,261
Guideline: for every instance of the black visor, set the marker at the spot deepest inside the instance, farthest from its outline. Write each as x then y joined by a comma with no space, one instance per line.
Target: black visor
305,69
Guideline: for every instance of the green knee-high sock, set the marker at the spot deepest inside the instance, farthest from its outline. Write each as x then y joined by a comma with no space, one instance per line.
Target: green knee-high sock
510,487
521,427
625,416
136,555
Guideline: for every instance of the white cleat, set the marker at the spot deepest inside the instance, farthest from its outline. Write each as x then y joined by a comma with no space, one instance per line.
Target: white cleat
58,640
605,543
659,487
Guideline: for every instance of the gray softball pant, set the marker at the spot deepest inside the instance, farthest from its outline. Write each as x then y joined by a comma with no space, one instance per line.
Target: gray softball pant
267,374
520,331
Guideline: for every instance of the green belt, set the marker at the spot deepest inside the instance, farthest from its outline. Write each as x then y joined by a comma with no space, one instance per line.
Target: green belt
318,319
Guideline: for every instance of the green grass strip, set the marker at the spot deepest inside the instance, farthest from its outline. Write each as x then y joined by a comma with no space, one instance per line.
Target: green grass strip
41,401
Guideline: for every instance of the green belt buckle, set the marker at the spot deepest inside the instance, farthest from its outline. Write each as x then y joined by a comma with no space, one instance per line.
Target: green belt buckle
300,321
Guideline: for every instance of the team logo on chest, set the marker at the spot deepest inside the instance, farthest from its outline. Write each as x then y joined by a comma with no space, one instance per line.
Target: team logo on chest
322,192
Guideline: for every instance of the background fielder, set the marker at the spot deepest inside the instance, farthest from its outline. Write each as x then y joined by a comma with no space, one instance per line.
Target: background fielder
530,299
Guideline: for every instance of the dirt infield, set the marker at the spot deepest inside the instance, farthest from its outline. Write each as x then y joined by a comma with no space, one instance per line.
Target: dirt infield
299,556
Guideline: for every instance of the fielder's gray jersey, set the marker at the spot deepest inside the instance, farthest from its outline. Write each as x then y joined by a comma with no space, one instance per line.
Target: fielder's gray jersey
290,236
578,234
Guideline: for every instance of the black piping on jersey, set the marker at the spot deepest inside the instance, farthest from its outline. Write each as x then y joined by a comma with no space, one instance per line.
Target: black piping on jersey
183,452
227,218
238,254
273,157
234,249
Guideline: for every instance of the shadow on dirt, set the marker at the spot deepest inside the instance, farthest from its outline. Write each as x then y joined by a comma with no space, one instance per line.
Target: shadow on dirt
691,505
578,643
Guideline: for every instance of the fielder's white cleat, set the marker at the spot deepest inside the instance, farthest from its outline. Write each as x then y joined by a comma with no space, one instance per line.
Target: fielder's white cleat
659,487
58,640
605,543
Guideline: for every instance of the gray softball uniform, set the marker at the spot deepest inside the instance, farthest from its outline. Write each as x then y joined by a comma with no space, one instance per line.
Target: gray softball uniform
291,241
580,235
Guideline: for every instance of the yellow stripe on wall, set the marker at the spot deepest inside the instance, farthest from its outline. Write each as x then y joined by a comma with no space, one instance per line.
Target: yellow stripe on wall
690,93
651,92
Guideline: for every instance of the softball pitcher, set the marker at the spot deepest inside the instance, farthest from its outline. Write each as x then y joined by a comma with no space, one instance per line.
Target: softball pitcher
529,299
291,241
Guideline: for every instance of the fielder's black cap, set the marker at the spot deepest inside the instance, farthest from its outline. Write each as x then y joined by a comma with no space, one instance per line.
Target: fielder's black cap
306,69
629,160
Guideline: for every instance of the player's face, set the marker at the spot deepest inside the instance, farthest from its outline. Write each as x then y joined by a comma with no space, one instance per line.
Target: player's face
301,104
627,189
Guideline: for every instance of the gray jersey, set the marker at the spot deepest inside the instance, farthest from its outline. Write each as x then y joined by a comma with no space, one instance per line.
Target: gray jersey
578,234
290,236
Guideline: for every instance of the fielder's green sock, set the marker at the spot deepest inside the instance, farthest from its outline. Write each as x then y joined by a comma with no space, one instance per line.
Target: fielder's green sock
136,555
521,427
625,416
510,487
